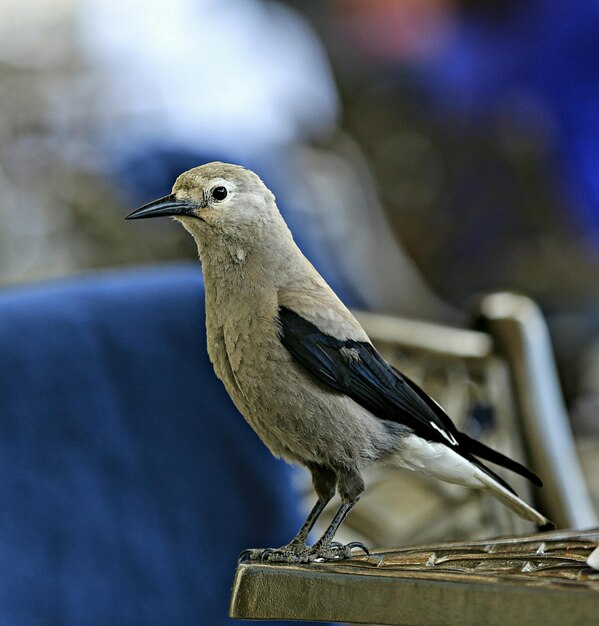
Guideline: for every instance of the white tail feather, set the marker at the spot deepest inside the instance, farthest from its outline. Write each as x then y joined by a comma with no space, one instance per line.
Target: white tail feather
510,500
439,460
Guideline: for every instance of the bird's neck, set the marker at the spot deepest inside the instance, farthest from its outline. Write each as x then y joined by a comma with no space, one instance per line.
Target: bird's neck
235,270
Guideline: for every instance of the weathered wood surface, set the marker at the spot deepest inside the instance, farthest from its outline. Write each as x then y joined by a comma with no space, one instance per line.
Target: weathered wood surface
538,579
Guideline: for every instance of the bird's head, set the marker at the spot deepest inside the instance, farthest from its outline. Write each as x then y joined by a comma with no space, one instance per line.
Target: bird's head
217,202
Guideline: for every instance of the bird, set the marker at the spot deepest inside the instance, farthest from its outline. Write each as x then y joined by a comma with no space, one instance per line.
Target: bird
301,369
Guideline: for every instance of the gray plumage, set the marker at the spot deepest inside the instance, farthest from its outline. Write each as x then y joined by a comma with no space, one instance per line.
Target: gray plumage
298,365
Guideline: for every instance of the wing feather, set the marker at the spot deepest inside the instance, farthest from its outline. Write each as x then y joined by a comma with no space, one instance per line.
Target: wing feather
356,369
366,377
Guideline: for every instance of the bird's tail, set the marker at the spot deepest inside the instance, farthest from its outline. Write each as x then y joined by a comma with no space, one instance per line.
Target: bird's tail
511,500
477,448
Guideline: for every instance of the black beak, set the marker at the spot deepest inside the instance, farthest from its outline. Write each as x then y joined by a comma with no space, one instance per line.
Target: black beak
169,205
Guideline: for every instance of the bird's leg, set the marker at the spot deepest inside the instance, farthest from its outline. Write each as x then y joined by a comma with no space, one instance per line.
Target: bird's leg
350,485
324,480
299,541
329,533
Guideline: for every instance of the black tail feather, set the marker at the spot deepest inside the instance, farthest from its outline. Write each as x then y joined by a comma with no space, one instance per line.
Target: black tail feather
491,473
484,452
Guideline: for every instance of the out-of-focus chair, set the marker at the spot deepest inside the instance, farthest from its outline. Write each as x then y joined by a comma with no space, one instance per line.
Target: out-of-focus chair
129,483
498,382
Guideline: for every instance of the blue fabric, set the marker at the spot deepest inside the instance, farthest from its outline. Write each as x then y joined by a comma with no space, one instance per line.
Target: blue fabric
128,481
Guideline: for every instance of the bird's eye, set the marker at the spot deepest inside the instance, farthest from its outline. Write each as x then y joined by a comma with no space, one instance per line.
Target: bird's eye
219,193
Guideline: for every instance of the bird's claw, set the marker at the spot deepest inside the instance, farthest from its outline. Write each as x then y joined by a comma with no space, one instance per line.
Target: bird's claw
359,545
351,545
251,554
293,553
266,553
336,551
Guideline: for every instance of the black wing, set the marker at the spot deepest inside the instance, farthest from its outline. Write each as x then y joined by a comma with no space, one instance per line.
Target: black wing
356,369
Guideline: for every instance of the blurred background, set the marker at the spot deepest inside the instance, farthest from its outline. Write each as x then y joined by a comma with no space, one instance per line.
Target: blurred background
463,136
422,151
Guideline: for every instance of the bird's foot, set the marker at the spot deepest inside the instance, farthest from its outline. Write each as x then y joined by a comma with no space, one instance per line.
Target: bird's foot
291,553
336,551
295,553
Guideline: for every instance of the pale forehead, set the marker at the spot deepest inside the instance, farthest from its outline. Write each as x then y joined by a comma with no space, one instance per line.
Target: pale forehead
200,177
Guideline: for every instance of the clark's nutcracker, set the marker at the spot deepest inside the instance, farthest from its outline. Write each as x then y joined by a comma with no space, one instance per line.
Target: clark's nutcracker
301,369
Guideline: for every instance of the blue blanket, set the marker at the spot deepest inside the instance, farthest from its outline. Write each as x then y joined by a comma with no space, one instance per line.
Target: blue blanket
129,483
